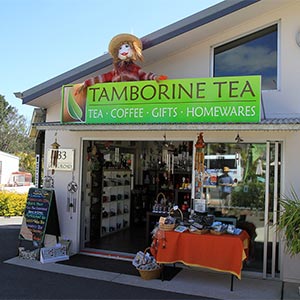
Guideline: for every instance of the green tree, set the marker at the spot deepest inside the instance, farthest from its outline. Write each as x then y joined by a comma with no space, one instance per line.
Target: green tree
27,162
14,137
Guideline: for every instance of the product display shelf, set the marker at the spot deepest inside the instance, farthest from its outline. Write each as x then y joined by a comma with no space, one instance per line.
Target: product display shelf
94,186
182,195
115,201
176,187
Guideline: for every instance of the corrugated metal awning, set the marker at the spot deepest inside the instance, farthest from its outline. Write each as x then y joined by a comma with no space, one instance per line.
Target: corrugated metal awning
276,124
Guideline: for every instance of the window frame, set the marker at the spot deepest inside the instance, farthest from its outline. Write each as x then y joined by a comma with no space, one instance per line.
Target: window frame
245,37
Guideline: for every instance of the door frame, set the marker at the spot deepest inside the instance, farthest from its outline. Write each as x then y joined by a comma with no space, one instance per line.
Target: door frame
270,225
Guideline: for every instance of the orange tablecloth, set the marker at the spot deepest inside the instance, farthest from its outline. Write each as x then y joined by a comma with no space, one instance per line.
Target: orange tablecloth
223,253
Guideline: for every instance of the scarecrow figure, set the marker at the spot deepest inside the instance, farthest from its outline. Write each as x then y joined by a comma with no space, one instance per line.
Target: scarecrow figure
125,49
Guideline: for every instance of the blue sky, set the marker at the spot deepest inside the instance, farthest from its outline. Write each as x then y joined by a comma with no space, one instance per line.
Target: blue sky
43,39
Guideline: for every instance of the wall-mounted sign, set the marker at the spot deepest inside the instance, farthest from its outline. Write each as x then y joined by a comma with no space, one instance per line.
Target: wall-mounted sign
65,160
192,100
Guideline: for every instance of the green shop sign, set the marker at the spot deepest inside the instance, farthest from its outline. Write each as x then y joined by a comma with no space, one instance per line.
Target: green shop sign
191,100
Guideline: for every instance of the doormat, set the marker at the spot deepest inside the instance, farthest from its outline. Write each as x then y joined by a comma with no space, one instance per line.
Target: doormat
113,265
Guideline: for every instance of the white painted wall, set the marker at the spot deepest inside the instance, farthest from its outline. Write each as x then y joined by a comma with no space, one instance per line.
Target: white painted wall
196,61
69,223
290,266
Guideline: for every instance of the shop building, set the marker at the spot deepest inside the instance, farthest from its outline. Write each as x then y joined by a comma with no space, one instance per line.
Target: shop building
126,170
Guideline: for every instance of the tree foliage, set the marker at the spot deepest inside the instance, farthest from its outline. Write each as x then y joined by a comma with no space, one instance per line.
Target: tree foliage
14,137
27,162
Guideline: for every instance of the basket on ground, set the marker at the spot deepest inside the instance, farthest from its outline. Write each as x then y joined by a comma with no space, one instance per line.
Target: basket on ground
150,274
147,266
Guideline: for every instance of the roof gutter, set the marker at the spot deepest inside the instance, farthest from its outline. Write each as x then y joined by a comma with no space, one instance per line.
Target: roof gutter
262,126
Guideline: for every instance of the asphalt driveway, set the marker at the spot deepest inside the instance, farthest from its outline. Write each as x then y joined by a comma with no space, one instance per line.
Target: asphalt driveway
26,283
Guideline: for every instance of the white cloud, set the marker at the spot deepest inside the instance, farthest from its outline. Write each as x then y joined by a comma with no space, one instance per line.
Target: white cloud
246,59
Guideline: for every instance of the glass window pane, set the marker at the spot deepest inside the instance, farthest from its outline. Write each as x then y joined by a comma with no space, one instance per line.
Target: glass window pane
255,54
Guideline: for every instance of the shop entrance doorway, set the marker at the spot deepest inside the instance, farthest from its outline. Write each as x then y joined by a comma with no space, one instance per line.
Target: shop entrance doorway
129,182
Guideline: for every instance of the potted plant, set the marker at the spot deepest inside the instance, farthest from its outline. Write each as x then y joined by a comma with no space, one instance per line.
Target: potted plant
289,221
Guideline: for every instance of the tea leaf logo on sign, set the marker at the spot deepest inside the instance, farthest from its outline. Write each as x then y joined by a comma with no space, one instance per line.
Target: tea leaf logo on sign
73,108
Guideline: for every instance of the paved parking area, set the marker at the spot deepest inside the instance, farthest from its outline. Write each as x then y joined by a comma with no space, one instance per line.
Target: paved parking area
190,282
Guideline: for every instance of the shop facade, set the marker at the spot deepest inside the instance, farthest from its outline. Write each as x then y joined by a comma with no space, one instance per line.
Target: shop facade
126,171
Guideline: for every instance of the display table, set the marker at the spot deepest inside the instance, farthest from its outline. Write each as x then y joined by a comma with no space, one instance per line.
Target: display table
224,253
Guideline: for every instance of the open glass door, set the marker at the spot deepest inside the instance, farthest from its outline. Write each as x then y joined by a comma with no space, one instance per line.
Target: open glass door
272,193
254,171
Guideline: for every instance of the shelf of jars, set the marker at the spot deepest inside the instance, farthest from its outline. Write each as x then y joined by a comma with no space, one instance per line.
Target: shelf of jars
115,201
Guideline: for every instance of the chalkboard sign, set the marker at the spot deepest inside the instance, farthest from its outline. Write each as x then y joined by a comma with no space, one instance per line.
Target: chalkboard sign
40,216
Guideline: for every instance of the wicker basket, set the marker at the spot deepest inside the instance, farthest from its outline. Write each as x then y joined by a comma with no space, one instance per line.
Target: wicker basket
217,232
149,274
167,227
170,227
178,209
161,194
200,231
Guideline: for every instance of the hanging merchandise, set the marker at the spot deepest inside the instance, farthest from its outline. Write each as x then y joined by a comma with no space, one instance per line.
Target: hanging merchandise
54,154
199,169
71,198
48,182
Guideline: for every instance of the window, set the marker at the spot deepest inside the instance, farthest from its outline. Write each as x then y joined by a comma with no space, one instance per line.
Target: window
254,54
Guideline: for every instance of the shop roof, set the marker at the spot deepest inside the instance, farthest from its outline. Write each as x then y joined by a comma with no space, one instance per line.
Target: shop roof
187,31
167,33
277,124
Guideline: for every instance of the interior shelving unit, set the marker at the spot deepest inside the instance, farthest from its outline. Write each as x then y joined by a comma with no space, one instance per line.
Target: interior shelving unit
115,201
108,183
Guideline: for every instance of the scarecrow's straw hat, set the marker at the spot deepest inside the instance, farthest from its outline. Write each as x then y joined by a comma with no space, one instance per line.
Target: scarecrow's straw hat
119,39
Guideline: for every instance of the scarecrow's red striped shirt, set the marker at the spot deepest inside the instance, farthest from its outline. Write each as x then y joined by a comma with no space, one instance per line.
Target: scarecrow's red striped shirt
127,71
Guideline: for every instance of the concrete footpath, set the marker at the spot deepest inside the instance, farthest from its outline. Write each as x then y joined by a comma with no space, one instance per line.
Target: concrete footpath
188,283
10,221
36,281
